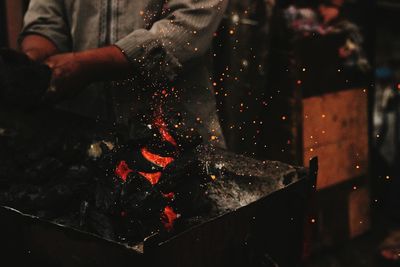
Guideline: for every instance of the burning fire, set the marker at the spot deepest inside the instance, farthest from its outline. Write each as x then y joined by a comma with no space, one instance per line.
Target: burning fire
162,128
168,215
156,159
123,170
169,196
168,218
153,178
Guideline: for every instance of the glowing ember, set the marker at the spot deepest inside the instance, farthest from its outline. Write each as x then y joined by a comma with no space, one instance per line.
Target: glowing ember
162,128
156,159
169,196
153,178
122,170
168,218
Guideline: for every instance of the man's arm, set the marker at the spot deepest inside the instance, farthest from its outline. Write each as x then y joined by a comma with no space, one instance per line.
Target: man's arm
37,47
158,53
184,34
46,37
45,30
74,71
172,42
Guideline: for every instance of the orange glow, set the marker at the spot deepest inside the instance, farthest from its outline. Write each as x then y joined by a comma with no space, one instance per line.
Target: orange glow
169,196
153,178
123,170
162,128
168,218
156,159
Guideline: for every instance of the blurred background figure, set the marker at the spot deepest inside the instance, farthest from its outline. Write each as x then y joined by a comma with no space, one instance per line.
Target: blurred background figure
386,123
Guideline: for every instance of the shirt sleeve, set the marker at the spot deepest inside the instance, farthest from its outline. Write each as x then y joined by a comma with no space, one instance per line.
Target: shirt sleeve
47,18
184,34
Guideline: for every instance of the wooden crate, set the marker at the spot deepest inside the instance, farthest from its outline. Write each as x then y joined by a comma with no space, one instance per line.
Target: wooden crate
335,129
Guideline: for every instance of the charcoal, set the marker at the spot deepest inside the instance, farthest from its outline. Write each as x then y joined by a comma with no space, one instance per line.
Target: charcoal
138,194
185,167
141,127
64,169
106,197
132,155
100,224
163,149
44,170
77,172
134,229
57,197
22,196
188,198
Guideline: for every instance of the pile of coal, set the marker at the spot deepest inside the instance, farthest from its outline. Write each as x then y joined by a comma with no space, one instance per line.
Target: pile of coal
120,189
23,82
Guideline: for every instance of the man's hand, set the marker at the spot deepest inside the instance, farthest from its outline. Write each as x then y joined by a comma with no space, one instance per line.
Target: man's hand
68,76
72,72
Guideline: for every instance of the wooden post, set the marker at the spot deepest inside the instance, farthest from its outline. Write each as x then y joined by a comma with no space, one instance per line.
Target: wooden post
14,20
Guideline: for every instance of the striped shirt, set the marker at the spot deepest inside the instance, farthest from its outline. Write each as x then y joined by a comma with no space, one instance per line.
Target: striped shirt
167,42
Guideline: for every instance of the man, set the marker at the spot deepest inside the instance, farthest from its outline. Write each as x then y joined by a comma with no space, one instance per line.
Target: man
152,45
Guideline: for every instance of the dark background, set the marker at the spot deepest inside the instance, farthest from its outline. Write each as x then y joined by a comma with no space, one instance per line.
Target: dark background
3,31
378,22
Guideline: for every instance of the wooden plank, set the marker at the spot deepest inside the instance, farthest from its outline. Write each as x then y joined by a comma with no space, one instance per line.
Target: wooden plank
336,116
336,130
340,161
359,211
332,216
342,212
